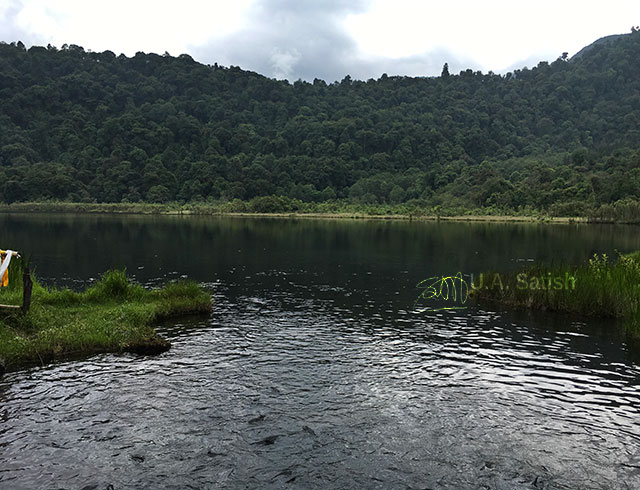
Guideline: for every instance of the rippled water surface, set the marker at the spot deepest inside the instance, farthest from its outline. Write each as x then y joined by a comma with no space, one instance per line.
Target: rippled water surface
315,370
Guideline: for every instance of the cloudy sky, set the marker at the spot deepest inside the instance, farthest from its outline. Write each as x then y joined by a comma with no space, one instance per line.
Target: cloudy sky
326,39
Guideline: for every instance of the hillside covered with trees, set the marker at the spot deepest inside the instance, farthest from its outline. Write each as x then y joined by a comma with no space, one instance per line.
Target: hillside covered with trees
561,138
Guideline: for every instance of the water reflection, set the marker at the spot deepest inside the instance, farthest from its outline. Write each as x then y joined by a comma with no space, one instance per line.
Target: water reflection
81,246
315,371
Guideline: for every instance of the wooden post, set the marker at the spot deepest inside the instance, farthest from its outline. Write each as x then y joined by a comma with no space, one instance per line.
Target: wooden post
27,285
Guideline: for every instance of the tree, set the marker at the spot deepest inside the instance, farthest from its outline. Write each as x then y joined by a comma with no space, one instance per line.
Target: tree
158,193
92,126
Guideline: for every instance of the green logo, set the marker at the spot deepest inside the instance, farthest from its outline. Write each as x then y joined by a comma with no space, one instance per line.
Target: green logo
447,288
455,289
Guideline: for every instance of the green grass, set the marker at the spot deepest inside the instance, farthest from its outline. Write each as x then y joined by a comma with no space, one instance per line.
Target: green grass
113,315
602,287
622,211
287,207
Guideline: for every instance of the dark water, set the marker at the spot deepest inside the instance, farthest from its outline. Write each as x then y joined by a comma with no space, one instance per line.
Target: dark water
315,369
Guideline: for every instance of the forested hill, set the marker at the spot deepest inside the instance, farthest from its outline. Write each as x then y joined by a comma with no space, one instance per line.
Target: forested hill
84,126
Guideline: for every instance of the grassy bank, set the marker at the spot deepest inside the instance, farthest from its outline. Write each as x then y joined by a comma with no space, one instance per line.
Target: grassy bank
113,315
272,206
602,287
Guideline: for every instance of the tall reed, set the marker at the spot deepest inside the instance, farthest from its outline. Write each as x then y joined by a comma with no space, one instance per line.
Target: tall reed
601,287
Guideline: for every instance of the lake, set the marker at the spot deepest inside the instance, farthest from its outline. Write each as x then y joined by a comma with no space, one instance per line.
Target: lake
317,369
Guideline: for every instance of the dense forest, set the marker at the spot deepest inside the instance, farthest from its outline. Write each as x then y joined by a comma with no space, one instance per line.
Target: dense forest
561,138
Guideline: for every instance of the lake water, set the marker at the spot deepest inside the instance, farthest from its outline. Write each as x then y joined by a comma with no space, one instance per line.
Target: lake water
316,369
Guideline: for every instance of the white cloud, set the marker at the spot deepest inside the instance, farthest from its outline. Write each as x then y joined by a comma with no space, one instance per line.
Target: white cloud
130,26
495,33
325,38
283,62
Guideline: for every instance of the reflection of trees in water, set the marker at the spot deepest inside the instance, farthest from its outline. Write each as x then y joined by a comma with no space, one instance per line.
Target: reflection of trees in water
354,252
366,272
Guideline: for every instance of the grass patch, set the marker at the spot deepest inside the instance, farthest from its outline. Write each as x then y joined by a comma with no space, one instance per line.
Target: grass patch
113,315
287,207
602,287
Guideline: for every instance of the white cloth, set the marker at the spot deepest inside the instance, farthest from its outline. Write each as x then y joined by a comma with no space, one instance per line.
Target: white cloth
5,263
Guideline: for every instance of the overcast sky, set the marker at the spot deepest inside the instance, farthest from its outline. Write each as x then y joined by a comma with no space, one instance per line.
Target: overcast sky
326,39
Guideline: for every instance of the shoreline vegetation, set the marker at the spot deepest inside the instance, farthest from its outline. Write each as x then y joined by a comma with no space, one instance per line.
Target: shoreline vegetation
282,207
603,288
112,315
557,139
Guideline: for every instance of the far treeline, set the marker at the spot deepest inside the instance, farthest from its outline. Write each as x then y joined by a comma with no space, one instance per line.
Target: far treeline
561,139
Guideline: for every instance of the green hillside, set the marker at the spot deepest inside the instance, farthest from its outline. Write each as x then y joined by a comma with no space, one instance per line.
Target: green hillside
561,138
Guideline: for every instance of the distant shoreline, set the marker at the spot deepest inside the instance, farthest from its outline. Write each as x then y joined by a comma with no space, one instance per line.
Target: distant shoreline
212,210
406,217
